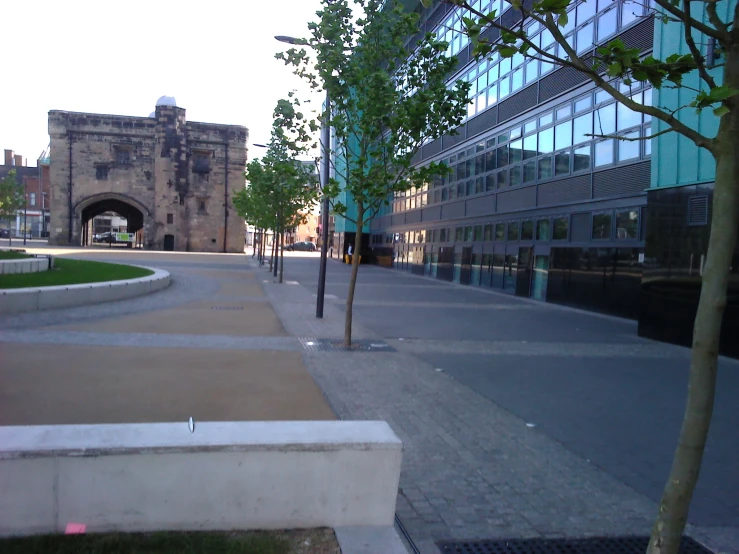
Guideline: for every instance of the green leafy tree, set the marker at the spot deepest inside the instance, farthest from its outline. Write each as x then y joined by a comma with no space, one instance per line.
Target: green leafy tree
281,189
11,199
701,23
384,105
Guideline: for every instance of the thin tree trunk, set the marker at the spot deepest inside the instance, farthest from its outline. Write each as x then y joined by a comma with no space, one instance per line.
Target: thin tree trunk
272,252
282,255
678,492
356,253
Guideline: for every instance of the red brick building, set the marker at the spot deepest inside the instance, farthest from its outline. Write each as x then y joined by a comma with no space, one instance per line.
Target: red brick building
34,217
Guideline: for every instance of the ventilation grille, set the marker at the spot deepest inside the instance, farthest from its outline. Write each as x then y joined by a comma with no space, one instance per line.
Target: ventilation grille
432,148
517,104
566,190
517,199
621,180
450,140
483,122
561,80
640,36
698,210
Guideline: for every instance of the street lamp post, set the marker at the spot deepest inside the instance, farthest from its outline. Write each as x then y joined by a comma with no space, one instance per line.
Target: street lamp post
326,162
25,216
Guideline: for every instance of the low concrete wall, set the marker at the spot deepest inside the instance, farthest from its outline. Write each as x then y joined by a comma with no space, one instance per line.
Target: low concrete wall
66,296
24,265
225,475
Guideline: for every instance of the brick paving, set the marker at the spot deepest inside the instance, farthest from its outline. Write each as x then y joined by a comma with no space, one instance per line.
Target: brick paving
472,466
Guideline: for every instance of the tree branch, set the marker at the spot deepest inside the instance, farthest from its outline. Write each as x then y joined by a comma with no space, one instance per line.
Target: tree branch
692,22
627,139
697,56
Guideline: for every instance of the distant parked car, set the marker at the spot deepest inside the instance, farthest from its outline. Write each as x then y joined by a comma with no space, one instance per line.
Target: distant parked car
4,234
304,246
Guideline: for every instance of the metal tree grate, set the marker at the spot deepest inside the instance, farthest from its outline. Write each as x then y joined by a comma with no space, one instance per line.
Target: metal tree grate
595,545
336,345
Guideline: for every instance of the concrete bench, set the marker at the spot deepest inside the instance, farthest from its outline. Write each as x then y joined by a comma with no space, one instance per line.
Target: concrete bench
26,265
225,475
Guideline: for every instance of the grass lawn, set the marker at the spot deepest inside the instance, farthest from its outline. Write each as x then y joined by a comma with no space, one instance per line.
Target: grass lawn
7,255
319,541
72,272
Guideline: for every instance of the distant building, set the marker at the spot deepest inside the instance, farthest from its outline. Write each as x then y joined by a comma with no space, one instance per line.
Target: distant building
33,218
173,180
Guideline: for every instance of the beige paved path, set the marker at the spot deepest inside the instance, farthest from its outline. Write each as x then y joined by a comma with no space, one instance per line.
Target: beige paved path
212,295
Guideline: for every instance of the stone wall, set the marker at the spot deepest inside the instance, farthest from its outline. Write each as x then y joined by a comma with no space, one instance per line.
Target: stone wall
166,175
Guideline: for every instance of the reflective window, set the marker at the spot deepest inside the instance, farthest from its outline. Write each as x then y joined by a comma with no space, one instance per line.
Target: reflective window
459,234
513,230
627,117
583,103
529,147
543,230
488,233
605,120
546,140
529,172
585,37
516,177
545,167
607,24
503,179
500,231
545,120
582,127
628,149
627,224
604,152
602,225
562,163
582,158
630,11
516,151
527,230
561,225
563,135
478,232
529,126
468,233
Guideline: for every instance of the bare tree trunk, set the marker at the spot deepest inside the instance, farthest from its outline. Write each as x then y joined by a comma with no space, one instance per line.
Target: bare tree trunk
282,255
356,253
272,252
686,464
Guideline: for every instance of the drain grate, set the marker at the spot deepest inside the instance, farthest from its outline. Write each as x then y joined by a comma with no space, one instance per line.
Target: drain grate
336,345
227,308
595,545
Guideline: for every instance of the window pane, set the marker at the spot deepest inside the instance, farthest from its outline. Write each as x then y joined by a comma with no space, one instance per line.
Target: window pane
529,147
502,156
602,226
513,230
492,95
647,143
585,37
479,185
562,163
529,172
468,233
647,102
488,232
605,120
604,152
627,117
529,126
563,135
503,87
532,71
461,172
543,230
527,230
545,168
470,188
583,126
563,112
515,150
478,232
490,182
460,190
517,80
627,224
628,149
470,167
607,24
444,194
546,141
545,120
583,103
500,231
459,237
630,11
481,105
560,228
585,11
480,164
490,161
503,179
582,159
515,175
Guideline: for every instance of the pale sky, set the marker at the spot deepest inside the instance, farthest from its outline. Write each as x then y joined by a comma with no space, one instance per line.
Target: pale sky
216,58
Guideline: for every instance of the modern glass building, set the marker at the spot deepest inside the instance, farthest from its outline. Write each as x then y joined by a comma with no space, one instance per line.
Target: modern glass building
679,206
534,206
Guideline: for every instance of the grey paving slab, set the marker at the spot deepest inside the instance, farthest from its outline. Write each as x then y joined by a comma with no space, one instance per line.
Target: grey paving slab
623,417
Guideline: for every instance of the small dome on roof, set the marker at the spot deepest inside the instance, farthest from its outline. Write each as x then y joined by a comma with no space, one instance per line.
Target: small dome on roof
153,114
166,101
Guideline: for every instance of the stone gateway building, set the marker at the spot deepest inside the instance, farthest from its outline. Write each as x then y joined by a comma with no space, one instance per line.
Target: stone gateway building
172,179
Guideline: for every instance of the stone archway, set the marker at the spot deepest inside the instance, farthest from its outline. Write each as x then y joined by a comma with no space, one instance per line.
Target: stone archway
129,208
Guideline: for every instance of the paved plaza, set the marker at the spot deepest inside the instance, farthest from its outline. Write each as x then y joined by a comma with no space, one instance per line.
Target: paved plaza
519,419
